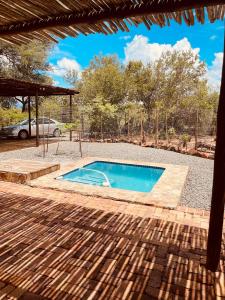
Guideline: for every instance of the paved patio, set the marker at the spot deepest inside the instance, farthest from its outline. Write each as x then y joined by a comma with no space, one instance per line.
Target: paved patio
57,245
166,192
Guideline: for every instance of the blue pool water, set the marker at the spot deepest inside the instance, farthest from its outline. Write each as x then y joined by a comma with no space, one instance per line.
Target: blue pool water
121,176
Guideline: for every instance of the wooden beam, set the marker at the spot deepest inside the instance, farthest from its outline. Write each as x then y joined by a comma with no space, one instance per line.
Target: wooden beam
16,93
218,194
71,115
37,119
29,116
92,16
13,87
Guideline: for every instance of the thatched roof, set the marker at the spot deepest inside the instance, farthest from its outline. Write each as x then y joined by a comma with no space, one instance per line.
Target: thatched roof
14,87
23,20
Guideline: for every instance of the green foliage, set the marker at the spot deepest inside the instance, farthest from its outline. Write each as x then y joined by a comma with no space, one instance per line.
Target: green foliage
11,116
168,96
69,126
166,92
102,114
162,135
171,132
50,107
185,139
103,77
27,62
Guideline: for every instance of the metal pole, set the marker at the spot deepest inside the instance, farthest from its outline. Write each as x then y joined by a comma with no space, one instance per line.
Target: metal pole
29,116
37,119
218,194
71,116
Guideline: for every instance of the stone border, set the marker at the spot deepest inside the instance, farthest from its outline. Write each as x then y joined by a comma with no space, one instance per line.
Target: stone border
166,192
22,171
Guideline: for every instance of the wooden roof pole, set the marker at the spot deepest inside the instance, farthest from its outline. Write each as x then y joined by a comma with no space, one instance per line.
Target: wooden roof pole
37,119
29,116
71,115
218,195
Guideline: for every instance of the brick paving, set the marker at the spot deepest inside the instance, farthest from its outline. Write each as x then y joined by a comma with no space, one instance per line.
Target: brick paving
56,245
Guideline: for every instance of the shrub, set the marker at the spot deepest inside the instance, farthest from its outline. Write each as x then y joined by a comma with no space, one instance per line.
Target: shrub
11,116
171,132
185,139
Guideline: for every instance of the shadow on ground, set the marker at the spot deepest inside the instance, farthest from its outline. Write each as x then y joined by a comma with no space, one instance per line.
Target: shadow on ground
17,144
53,250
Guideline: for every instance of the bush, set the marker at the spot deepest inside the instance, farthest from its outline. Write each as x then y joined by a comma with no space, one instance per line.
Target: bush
185,139
162,135
11,116
171,132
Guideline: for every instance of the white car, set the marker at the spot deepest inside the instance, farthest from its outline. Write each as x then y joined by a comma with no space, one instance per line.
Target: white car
46,127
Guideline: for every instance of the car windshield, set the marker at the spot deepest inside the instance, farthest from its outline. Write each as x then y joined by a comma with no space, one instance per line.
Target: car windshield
25,122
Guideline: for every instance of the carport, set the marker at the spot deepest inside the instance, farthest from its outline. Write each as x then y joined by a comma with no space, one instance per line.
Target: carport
18,88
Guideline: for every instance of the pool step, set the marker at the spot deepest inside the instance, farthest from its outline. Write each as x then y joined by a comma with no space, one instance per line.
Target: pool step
89,180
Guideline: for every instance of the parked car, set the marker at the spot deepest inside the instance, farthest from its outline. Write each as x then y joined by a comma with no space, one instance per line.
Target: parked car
46,127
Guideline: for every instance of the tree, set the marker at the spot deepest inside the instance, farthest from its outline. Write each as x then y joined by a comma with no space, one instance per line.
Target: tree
27,62
167,91
103,77
180,73
142,84
102,114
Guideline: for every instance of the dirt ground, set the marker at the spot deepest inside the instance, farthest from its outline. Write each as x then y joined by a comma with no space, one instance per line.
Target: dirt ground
16,144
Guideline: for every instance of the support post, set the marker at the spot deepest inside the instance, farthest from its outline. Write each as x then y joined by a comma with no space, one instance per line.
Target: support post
218,194
29,116
71,117
37,120
82,124
80,145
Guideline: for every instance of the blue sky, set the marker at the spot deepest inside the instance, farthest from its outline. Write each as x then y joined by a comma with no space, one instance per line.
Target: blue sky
140,43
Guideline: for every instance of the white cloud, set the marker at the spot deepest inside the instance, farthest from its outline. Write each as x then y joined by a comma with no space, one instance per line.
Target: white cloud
214,71
63,65
125,37
141,49
56,52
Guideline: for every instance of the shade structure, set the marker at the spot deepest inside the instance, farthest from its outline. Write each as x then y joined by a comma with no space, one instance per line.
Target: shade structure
12,88
22,20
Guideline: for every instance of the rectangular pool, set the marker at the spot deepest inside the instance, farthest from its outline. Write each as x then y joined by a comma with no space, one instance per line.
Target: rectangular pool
116,175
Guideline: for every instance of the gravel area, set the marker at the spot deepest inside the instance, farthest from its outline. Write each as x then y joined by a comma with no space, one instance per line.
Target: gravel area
197,191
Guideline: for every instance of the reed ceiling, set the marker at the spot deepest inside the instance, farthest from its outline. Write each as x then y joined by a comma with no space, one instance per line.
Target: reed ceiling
24,20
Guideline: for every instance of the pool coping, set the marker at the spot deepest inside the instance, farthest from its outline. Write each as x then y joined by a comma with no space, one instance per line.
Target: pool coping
166,192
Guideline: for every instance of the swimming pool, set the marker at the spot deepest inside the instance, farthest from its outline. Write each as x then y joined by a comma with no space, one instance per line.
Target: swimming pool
116,175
